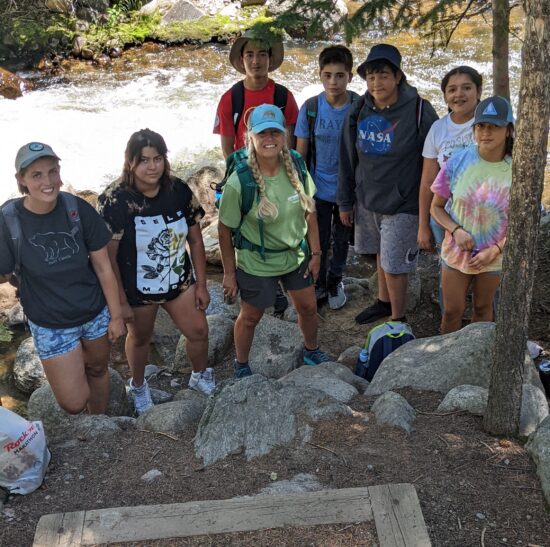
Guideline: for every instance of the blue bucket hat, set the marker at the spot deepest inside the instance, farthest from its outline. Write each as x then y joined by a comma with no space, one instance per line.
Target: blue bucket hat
266,116
496,110
385,52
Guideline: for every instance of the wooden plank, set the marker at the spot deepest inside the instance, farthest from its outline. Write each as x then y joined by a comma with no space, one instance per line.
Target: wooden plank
225,516
397,516
59,530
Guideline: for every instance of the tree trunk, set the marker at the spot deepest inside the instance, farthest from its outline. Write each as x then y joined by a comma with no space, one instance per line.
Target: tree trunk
529,159
501,26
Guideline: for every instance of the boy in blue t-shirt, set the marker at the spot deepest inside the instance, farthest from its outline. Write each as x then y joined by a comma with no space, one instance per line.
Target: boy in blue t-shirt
318,132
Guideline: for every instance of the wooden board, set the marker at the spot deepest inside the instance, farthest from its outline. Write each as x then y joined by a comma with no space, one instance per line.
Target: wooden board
398,511
398,517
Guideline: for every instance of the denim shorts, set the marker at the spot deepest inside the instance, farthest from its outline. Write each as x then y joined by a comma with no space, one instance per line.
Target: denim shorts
51,343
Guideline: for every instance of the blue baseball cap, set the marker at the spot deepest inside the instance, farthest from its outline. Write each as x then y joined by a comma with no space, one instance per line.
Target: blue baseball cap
31,152
496,110
266,116
385,52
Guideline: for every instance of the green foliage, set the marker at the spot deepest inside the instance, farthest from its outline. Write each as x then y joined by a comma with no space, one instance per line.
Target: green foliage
130,5
5,333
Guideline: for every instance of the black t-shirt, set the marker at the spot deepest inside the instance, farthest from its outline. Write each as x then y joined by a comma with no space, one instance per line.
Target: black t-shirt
152,257
58,286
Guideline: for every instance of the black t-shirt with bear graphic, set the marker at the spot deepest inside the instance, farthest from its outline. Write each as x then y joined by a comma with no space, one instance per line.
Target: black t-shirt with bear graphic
58,286
152,256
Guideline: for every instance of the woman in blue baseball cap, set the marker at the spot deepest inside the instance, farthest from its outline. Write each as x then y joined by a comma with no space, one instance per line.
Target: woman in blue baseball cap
478,180
276,238
56,244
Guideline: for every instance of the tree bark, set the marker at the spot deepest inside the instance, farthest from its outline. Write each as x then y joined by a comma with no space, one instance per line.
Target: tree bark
501,26
529,159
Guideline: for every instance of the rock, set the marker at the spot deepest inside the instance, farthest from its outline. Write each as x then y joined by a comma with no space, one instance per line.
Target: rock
392,409
473,399
166,337
28,374
534,409
43,406
200,183
326,27
78,43
355,292
160,397
198,399
124,422
349,357
256,414
290,314
212,244
151,476
302,482
538,447
345,374
60,6
323,379
11,86
181,11
363,282
100,6
85,427
15,316
217,304
414,289
161,6
86,53
220,340
440,363
150,371
173,417
277,348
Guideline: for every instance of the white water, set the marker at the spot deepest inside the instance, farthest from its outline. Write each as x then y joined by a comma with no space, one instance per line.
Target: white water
89,119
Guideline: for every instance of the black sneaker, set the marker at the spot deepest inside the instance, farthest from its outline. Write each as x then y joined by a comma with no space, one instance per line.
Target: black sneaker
379,310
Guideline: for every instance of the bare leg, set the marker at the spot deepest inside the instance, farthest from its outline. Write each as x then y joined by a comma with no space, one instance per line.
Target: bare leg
306,306
383,293
485,288
193,325
397,285
138,340
245,325
455,285
67,377
96,358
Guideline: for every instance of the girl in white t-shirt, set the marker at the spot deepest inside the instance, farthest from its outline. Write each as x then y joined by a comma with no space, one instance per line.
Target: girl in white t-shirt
461,88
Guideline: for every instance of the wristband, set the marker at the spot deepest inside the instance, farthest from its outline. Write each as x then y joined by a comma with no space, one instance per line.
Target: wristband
456,228
315,253
498,247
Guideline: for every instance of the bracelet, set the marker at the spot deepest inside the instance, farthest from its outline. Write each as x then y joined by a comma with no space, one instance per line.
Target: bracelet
498,247
315,253
456,228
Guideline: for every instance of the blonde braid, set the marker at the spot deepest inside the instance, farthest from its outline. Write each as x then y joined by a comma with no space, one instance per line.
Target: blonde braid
307,203
267,210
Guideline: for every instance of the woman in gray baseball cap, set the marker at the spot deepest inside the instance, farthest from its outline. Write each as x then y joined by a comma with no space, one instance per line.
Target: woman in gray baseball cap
56,246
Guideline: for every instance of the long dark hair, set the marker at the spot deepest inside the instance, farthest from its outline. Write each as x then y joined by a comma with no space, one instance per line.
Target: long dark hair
475,76
138,141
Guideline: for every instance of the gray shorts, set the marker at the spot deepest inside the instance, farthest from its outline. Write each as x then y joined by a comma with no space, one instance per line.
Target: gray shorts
393,237
260,292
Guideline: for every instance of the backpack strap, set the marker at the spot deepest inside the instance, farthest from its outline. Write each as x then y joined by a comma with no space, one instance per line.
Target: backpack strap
237,103
71,208
312,107
11,218
280,96
419,110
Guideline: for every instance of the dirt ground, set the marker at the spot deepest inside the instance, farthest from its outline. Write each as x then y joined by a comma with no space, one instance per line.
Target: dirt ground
473,489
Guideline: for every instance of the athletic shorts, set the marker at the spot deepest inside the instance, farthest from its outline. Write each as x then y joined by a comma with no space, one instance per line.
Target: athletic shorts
393,237
260,292
51,343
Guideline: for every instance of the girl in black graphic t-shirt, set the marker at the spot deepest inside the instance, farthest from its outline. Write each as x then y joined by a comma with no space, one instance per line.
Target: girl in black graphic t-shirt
152,215
65,279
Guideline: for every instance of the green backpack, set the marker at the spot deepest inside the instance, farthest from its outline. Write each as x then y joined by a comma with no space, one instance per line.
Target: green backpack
238,162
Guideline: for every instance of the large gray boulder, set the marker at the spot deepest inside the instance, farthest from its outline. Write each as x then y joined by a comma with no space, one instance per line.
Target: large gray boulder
393,409
473,399
28,374
161,6
15,316
181,10
220,340
442,362
43,406
277,348
344,373
256,414
217,304
538,447
323,379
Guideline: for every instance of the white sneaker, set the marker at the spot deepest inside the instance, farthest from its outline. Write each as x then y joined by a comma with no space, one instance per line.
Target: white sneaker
336,296
208,377
141,396
199,383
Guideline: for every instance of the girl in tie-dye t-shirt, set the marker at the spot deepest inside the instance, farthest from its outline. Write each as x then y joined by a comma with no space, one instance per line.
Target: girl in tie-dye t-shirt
478,181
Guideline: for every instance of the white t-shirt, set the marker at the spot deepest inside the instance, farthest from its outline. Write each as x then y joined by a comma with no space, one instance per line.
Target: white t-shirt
446,137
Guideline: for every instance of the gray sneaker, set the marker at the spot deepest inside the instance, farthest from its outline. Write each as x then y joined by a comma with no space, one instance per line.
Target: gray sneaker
141,396
336,296
199,383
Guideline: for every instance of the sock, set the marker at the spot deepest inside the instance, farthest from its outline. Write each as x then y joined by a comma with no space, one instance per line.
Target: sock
307,349
196,375
238,364
384,304
402,319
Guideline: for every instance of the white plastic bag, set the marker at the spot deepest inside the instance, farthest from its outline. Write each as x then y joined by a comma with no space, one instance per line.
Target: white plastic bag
24,456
